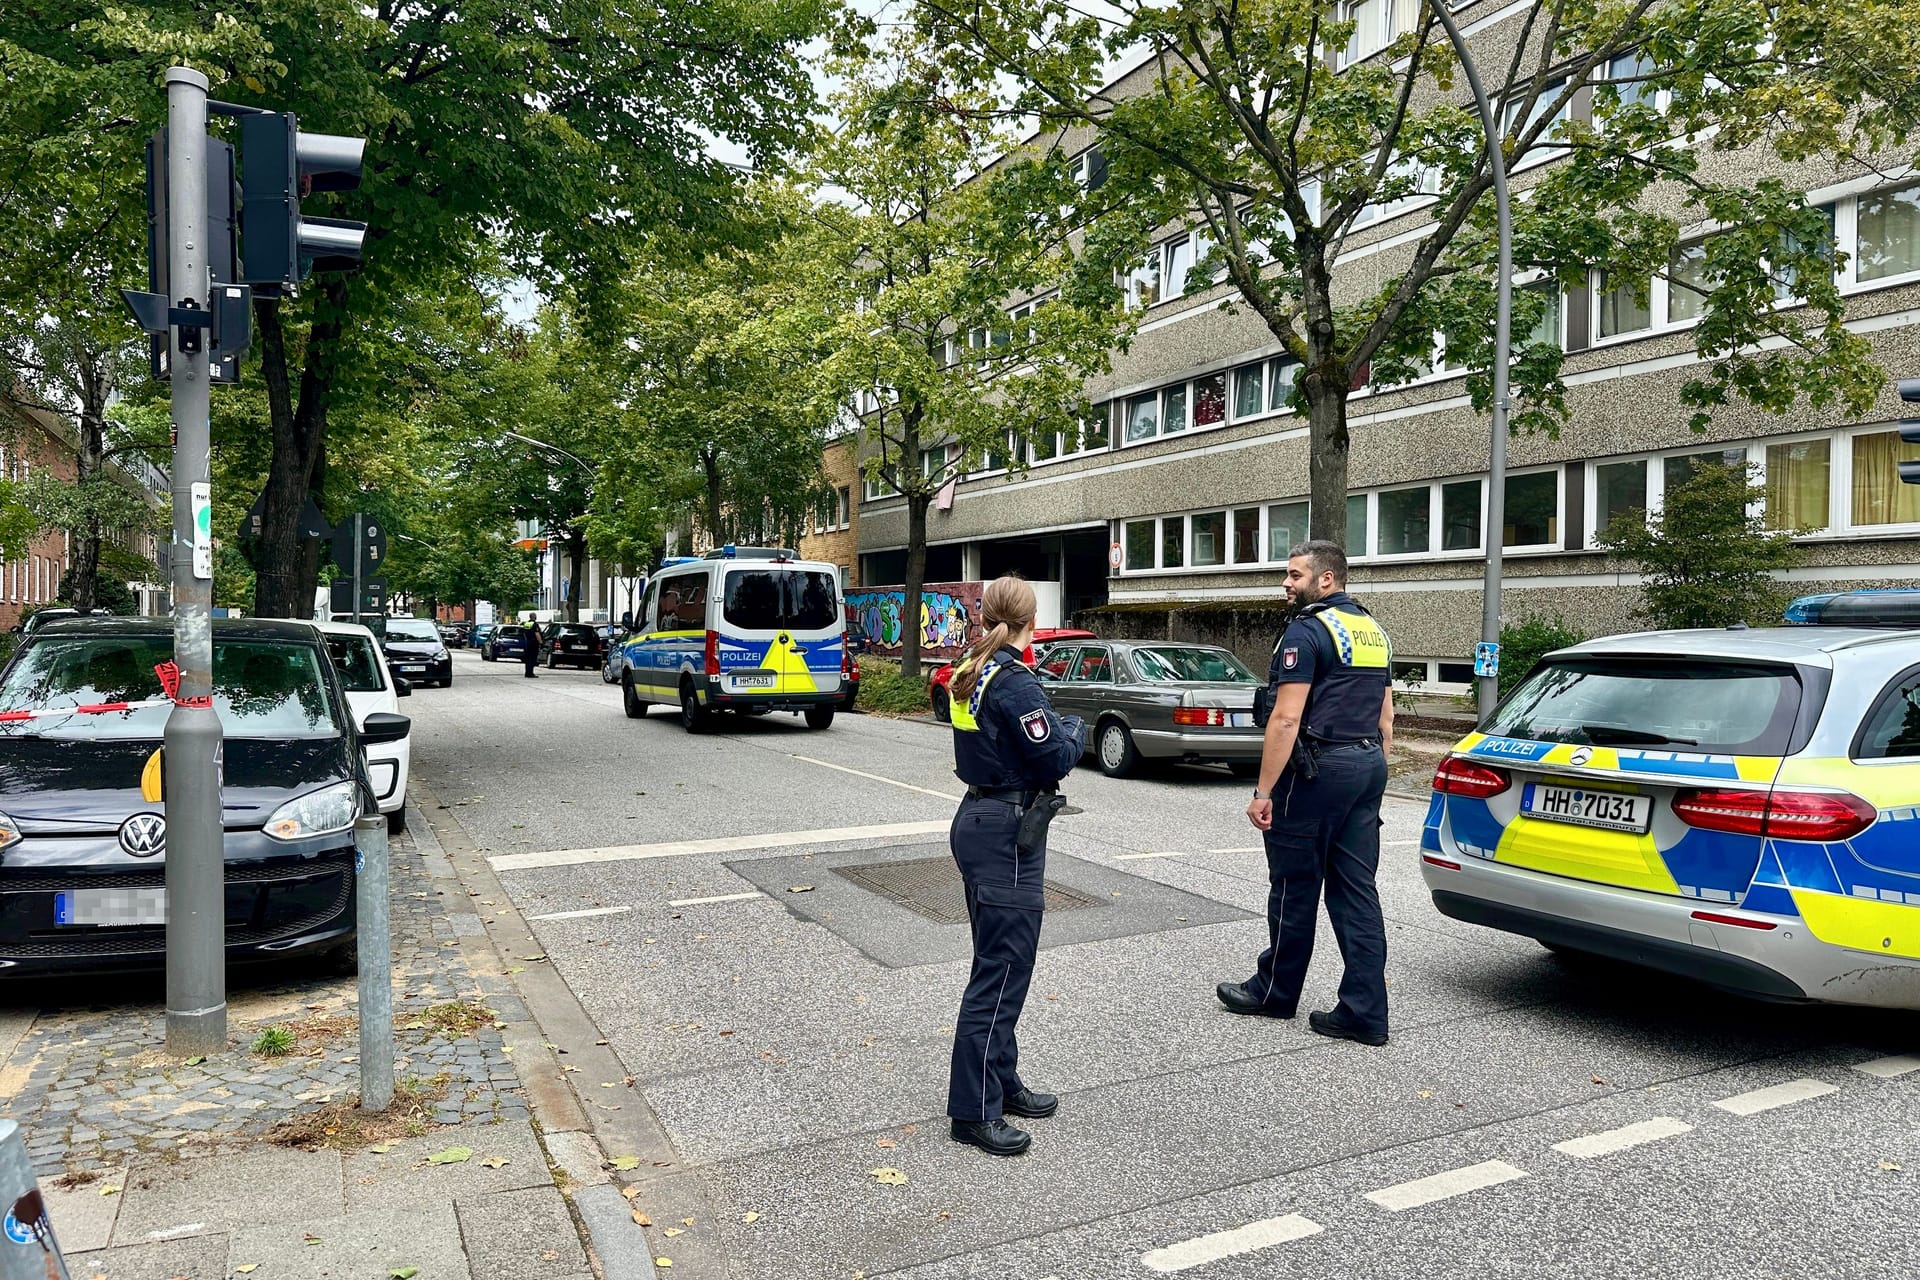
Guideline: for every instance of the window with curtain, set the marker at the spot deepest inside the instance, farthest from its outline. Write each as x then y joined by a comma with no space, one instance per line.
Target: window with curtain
1621,311
1280,379
1286,525
1797,485
1547,329
1879,497
1688,283
1460,516
1210,400
1357,524
1618,487
1142,424
1247,400
1209,538
1179,263
1405,517
1173,408
1889,234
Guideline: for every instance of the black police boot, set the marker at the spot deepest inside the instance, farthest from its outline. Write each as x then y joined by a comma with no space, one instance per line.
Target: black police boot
1031,1105
1238,999
995,1137
1331,1024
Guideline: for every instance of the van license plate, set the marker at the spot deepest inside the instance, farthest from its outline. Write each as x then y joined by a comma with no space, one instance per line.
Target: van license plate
1585,807
756,681
111,907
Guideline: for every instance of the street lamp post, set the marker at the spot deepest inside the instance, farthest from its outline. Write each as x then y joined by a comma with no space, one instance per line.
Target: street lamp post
571,457
1489,684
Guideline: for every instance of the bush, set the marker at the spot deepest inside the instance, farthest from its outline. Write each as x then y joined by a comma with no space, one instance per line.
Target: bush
1523,644
1706,560
884,691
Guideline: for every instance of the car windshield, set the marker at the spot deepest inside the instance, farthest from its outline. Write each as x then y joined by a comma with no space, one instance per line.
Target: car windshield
357,662
509,633
1183,663
261,688
412,629
781,599
1717,707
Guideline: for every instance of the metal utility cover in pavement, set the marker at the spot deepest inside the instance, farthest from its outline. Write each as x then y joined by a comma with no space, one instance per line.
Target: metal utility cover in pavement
906,906
933,887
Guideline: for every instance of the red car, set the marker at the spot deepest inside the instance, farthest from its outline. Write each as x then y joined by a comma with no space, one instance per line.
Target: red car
1042,637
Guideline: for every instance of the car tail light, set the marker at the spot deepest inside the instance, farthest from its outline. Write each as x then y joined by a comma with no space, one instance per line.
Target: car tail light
1782,815
846,662
713,653
1457,776
1207,717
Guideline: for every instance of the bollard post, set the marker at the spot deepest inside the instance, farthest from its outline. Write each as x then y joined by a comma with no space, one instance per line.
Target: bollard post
372,911
28,1250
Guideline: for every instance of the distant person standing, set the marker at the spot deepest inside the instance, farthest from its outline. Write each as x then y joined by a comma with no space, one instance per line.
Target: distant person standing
531,653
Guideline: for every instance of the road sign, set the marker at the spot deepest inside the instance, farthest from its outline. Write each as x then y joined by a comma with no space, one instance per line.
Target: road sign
1113,556
1486,660
373,597
372,543
312,523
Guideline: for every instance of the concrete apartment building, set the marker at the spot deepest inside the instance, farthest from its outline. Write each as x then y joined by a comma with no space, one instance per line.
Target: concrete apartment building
1177,512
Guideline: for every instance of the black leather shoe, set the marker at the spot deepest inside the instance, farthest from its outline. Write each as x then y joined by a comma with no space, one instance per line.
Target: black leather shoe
1238,999
1329,1025
1031,1105
995,1137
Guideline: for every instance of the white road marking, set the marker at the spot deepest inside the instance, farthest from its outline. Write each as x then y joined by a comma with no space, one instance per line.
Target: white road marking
1134,857
874,777
582,914
1633,1135
1888,1068
725,897
1252,848
174,1233
1396,844
1227,1244
1444,1186
720,844
1779,1095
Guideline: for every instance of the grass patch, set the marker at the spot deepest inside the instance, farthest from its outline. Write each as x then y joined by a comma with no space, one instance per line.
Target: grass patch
454,1018
885,692
344,1127
274,1042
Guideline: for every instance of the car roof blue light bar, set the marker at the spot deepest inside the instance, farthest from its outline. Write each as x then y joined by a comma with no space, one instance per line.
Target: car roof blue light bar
1883,607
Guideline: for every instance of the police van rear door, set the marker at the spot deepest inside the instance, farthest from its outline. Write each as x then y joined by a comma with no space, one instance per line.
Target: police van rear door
781,629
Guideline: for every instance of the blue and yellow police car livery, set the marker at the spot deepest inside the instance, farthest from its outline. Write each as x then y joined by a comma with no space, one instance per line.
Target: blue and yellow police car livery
741,629
1739,807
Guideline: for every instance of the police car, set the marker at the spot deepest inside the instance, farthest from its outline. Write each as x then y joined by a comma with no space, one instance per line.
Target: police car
1739,807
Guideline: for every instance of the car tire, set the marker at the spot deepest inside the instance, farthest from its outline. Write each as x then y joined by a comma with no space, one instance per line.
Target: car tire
397,821
553,659
1114,749
486,654
446,682
942,705
820,717
629,700
606,674
1245,768
693,717
342,961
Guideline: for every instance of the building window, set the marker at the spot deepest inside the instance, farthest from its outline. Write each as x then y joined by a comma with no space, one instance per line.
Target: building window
1887,230
1142,284
1357,544
1179,264
1139,544
1879,497
1094,431
1618,488
1460,516
1173,541
1246,536
1281,376
1286,528
1799,482
1141,422
1688,283
1405,521
1209,538
1533,510
1547,329
846,506
1247,399
1680,467
1628,73
1210,400
1173,408
1622,309
1089,169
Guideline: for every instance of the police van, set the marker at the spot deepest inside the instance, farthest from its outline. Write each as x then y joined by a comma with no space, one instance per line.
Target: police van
745,629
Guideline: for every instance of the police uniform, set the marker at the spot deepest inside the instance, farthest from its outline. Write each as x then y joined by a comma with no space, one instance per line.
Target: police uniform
1326,829
1010,748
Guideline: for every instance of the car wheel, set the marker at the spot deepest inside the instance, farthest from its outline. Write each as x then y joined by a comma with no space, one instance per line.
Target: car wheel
1245,768
342,961
630,700
693,717
942,705
486,653
553,660
446,682
820,717
606,674
397,821
1115,750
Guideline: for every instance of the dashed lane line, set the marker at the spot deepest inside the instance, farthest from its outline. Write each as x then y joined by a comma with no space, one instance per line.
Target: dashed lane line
1135,857
1593,1145
1888,1068
582,914
1779,1095
720,844
1444,1186
725,897
874,777
1227,1244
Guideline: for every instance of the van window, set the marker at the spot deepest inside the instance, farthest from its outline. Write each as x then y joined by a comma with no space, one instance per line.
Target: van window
683,603
781,599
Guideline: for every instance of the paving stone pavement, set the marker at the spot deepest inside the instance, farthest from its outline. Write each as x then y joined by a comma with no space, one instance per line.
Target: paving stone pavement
90,1083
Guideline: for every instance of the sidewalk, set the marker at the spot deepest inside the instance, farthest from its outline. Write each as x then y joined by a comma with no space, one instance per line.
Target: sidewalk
258,1165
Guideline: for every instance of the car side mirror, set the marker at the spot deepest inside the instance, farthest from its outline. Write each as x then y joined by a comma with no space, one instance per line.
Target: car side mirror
402,687
385,726
626,620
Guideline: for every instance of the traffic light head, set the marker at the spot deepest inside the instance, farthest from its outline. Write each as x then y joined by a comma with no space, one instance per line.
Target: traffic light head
279,165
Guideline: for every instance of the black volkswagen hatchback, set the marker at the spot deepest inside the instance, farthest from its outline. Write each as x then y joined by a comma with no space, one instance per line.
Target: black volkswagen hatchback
82,827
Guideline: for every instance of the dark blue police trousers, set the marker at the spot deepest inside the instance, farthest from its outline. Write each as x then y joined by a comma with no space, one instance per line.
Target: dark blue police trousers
1004,904
1327,831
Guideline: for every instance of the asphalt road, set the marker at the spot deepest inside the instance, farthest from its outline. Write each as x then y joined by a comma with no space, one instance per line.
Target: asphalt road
790,1030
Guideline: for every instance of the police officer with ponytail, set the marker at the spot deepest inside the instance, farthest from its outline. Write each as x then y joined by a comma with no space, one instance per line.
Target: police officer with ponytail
1011,750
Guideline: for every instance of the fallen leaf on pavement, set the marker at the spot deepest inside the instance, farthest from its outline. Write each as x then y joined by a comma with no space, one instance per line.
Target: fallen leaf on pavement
381,1148
403,1273
909,1128
671,1232
686,1222
519,968
195,1061
608,1084
568,1066
109,1191
245,1268
531,959
799,888
641,1220
1598,1080
663,1262
1890,1166
750,1216
885,1142
890,1177
625,1162
311,1238
494,1162
452,1155
599,1041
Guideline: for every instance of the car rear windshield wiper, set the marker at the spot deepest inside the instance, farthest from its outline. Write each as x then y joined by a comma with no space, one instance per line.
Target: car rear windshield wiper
1609,735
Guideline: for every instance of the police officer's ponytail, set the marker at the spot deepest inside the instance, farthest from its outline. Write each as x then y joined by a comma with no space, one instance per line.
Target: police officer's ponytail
1007,606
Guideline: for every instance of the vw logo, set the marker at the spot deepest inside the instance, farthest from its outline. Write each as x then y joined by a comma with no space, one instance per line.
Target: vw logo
1581,756
144,834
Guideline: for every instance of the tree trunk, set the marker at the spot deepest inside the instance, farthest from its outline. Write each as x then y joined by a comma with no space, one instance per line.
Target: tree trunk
910,602
710,466
577,563
1325,388
89,469
286,565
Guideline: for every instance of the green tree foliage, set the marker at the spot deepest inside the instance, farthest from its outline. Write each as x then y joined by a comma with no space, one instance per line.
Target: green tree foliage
1706,560
17,521
1239,123
1524,643
915,279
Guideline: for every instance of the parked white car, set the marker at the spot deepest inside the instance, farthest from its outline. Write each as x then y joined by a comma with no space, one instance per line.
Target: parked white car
371,686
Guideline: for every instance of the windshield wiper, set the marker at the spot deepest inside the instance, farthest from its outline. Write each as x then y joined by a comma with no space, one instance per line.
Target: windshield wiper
1608,735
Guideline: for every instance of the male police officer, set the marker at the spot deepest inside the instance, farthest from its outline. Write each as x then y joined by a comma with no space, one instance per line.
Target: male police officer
1322,773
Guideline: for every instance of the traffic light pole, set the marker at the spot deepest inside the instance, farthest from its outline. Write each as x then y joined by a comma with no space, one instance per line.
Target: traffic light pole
196,863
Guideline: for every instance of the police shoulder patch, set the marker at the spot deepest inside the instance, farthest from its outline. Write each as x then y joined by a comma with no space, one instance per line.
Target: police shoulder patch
1034,725
1289,659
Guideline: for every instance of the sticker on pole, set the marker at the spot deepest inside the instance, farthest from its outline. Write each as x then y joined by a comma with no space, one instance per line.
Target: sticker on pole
1486,660
202,494
18,1231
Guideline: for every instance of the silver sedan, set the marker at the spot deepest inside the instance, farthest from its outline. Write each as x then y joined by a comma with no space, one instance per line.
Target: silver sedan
1191,703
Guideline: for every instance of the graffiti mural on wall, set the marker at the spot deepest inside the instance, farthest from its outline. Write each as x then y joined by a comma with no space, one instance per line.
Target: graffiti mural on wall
949,617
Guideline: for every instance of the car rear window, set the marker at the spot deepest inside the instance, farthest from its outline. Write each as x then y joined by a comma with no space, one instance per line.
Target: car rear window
1715,707
1181,663
781,600
412,629
261,688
